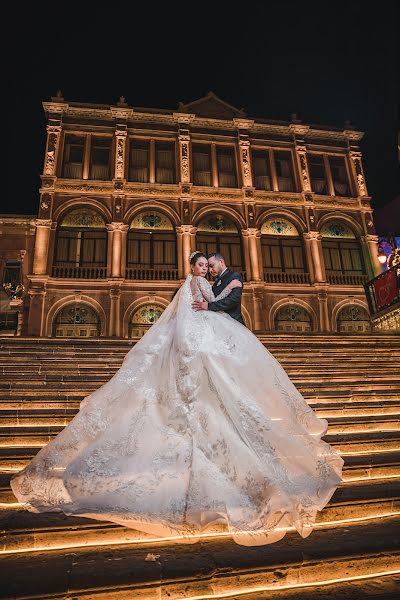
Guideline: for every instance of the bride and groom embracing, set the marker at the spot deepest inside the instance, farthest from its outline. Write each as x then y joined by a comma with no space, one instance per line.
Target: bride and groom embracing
200,426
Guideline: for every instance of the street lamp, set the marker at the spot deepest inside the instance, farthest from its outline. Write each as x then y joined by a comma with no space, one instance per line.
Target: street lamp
389,240
381,255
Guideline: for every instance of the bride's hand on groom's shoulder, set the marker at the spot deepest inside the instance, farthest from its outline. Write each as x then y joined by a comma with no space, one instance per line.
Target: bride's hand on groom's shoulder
234,284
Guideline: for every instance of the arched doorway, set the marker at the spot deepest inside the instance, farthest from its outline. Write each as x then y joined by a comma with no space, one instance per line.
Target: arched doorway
353,319
217,233
282,252
151,248
343,257
76,320
293,318
143,318
81,245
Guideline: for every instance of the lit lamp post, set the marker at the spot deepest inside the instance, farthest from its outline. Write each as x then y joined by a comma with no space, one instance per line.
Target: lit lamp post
394,257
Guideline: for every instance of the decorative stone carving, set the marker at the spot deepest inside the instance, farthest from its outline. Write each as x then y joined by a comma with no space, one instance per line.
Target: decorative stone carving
121,113
298,129
245,162
243,123
184,141
358,170
305,176
183,117
53,137
120,139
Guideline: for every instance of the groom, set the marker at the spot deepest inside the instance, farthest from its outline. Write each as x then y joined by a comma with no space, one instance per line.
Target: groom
231,304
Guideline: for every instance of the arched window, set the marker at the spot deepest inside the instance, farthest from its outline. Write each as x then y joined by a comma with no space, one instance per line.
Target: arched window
342,254
151,248
81,245
282,252
217,233
76,320
353,319
144,318
293,318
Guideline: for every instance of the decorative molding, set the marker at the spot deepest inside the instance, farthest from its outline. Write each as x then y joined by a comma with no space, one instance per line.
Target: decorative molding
301,151
121,113
183,117
43,222
358,171
243,123
244,146
53,138
184,141
120,144
56,107
298,129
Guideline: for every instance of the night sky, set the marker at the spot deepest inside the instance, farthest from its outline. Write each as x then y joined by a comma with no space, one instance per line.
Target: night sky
329,62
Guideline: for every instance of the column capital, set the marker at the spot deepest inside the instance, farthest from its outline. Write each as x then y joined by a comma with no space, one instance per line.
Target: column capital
251,232
371,238
186,229
117,226
312,235
53,128
115,292
243,123
43,222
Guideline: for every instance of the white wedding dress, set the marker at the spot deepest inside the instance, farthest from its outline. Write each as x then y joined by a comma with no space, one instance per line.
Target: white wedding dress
200,425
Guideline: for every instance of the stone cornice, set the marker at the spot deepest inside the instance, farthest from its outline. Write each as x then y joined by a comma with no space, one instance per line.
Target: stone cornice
103,112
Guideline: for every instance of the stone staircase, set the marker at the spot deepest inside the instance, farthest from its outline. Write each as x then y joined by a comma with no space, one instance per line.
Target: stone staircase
354,550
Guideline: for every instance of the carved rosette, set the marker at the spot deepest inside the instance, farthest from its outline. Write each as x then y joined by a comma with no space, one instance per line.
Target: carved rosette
245,162
53,138
120,143
184,158
359,173
305,176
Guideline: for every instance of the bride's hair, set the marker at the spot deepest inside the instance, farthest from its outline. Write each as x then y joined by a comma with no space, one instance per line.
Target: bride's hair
195,256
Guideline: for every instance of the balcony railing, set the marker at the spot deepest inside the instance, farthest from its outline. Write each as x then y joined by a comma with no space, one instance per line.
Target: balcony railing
143,274
273,277
80,272
345,279
383,292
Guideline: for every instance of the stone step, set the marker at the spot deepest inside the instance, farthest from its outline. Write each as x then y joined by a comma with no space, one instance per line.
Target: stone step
51,530
216,565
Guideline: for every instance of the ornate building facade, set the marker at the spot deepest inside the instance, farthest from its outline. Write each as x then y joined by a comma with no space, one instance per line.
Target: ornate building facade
127,193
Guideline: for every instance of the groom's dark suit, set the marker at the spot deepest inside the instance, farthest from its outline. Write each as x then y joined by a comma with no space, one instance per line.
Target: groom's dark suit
231,304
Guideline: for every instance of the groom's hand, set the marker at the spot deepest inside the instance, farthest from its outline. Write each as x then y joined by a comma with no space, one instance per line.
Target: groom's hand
200,305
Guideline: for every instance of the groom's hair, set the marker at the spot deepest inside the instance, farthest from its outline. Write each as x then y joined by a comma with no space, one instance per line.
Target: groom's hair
217,255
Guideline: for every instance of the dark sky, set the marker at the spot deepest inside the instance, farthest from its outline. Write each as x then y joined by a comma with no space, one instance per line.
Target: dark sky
327,61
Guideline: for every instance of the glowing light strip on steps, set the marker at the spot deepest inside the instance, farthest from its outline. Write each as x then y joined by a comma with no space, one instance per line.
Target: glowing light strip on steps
277,588
202,536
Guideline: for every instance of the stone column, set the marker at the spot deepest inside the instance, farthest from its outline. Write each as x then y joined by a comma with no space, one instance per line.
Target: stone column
329,176
41,246
259,321
246,253
187,234
274,177
116,242
53,144
314,239
179,246
36,309
152,162
245,162
214,165
184,157
358,173
302,164
86,156
323,312
120,150
371,242
254,245
115,303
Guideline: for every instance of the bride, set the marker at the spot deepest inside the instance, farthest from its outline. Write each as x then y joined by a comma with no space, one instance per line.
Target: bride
200,426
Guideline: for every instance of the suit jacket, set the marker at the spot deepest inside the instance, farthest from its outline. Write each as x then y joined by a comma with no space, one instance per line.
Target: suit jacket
231,304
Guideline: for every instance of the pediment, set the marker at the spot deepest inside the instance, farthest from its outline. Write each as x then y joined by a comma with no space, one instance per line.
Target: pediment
213,107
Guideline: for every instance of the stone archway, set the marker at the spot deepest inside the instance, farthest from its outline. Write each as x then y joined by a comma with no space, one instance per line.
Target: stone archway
353,318
143,318
76,319
292,318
